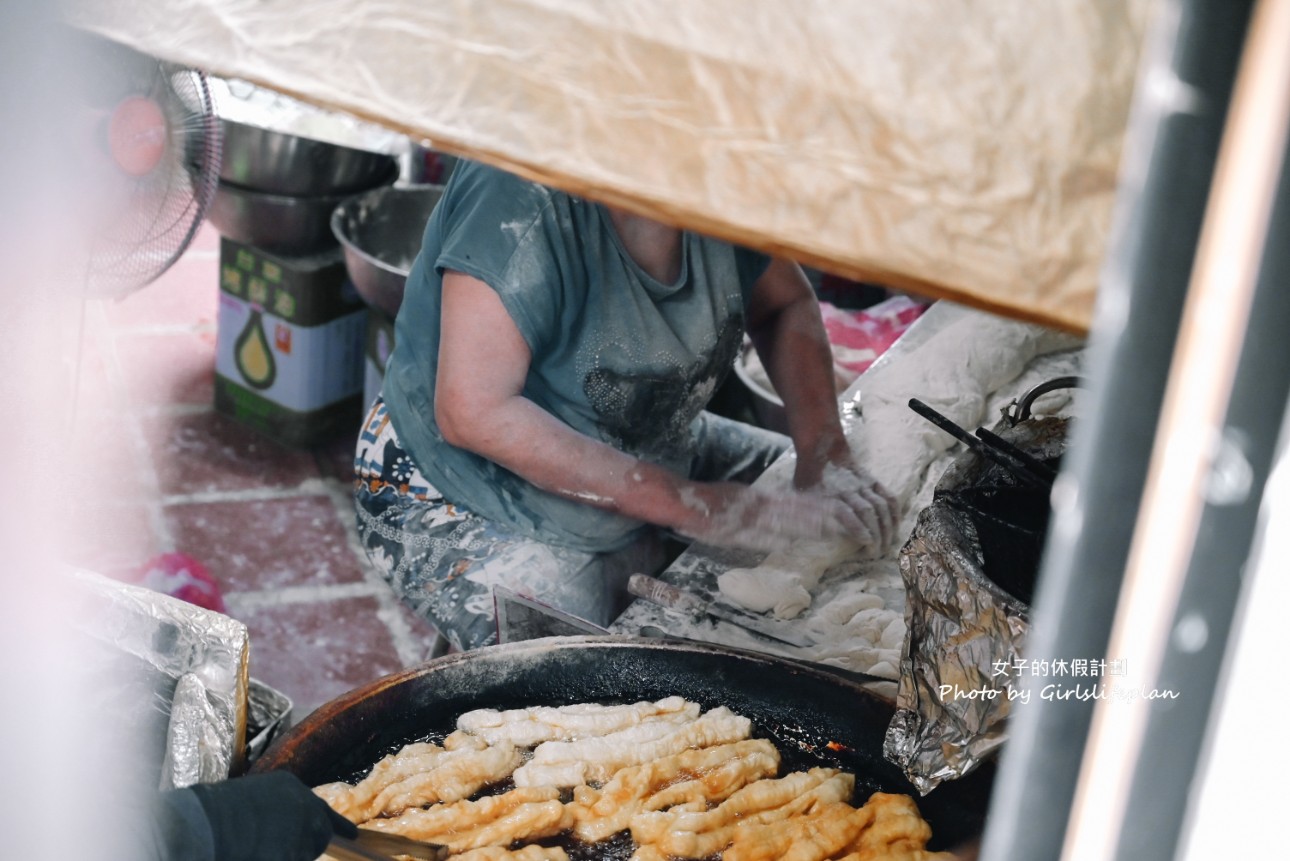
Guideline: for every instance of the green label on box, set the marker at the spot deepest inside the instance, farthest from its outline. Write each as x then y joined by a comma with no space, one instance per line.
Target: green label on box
284,304
304,291
231,280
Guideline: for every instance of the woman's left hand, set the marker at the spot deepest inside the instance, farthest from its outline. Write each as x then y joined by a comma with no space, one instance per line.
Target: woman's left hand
873,504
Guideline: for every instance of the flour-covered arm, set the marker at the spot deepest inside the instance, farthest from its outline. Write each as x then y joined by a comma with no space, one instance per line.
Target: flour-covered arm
480,407
785,326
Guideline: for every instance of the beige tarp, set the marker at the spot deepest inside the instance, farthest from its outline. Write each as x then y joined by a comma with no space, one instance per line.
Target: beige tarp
963,148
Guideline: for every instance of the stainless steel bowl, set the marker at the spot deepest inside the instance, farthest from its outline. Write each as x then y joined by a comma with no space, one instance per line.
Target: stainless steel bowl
276,162
381,232
767,406
276,222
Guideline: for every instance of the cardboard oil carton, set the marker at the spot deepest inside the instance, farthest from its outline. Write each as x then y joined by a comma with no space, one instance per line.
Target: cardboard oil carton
289,353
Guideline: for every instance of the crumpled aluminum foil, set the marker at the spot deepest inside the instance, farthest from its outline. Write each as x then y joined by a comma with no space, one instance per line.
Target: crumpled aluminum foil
954,697
194,662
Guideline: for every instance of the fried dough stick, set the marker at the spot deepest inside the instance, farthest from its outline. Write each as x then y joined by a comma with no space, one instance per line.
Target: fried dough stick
526,822
409,760
501,853
698,834
574,772
495,820
570,763
530,726
431,822
458,740
771,799
898,833
445,776
709,774
815,836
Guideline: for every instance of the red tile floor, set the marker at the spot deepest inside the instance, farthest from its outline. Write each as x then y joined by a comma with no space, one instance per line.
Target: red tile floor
273,525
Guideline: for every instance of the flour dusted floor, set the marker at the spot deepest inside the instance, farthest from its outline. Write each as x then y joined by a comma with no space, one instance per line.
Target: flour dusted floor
155,469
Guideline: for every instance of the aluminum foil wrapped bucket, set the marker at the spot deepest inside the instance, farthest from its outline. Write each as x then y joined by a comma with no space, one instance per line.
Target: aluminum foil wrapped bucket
169,681
969,568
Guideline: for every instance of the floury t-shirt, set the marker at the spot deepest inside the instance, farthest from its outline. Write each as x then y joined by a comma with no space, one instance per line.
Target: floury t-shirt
616,354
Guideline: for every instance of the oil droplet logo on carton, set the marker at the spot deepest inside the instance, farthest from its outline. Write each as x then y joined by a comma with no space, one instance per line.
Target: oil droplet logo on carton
253,356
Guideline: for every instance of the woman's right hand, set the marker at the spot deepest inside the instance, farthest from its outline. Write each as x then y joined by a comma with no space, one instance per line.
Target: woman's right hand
727,514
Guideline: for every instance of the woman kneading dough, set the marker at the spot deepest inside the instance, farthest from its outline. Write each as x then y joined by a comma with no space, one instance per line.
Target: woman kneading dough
542,421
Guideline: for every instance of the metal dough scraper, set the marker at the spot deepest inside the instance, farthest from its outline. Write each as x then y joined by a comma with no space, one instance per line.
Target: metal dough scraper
520,618
669,596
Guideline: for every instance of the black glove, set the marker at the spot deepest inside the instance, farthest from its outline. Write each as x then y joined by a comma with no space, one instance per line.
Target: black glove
269,817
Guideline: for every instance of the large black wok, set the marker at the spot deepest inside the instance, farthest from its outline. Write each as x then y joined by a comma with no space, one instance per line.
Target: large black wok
814,717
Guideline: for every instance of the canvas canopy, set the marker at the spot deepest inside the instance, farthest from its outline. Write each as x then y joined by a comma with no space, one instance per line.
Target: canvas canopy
956,148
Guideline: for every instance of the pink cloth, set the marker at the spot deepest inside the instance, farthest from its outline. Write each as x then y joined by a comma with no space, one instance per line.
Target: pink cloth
179,576
860,337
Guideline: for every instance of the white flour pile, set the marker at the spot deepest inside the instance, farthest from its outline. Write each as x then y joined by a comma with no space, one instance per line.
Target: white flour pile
852,606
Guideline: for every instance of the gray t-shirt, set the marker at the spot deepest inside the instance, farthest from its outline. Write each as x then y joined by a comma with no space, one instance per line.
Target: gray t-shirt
616,355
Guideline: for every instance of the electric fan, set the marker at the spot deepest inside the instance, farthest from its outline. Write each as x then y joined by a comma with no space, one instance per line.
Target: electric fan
155,163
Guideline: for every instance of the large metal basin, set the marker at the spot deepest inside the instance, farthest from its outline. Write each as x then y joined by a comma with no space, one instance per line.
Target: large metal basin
277,222
767,406
814,718
276,162
279,145
380,232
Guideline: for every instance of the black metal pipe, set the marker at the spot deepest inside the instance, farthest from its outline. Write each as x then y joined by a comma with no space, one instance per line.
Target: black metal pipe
1169,160
1034,465
1167,762
1021,409
995,455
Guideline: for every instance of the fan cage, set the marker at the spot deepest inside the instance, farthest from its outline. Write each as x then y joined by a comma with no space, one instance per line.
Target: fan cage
154,217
